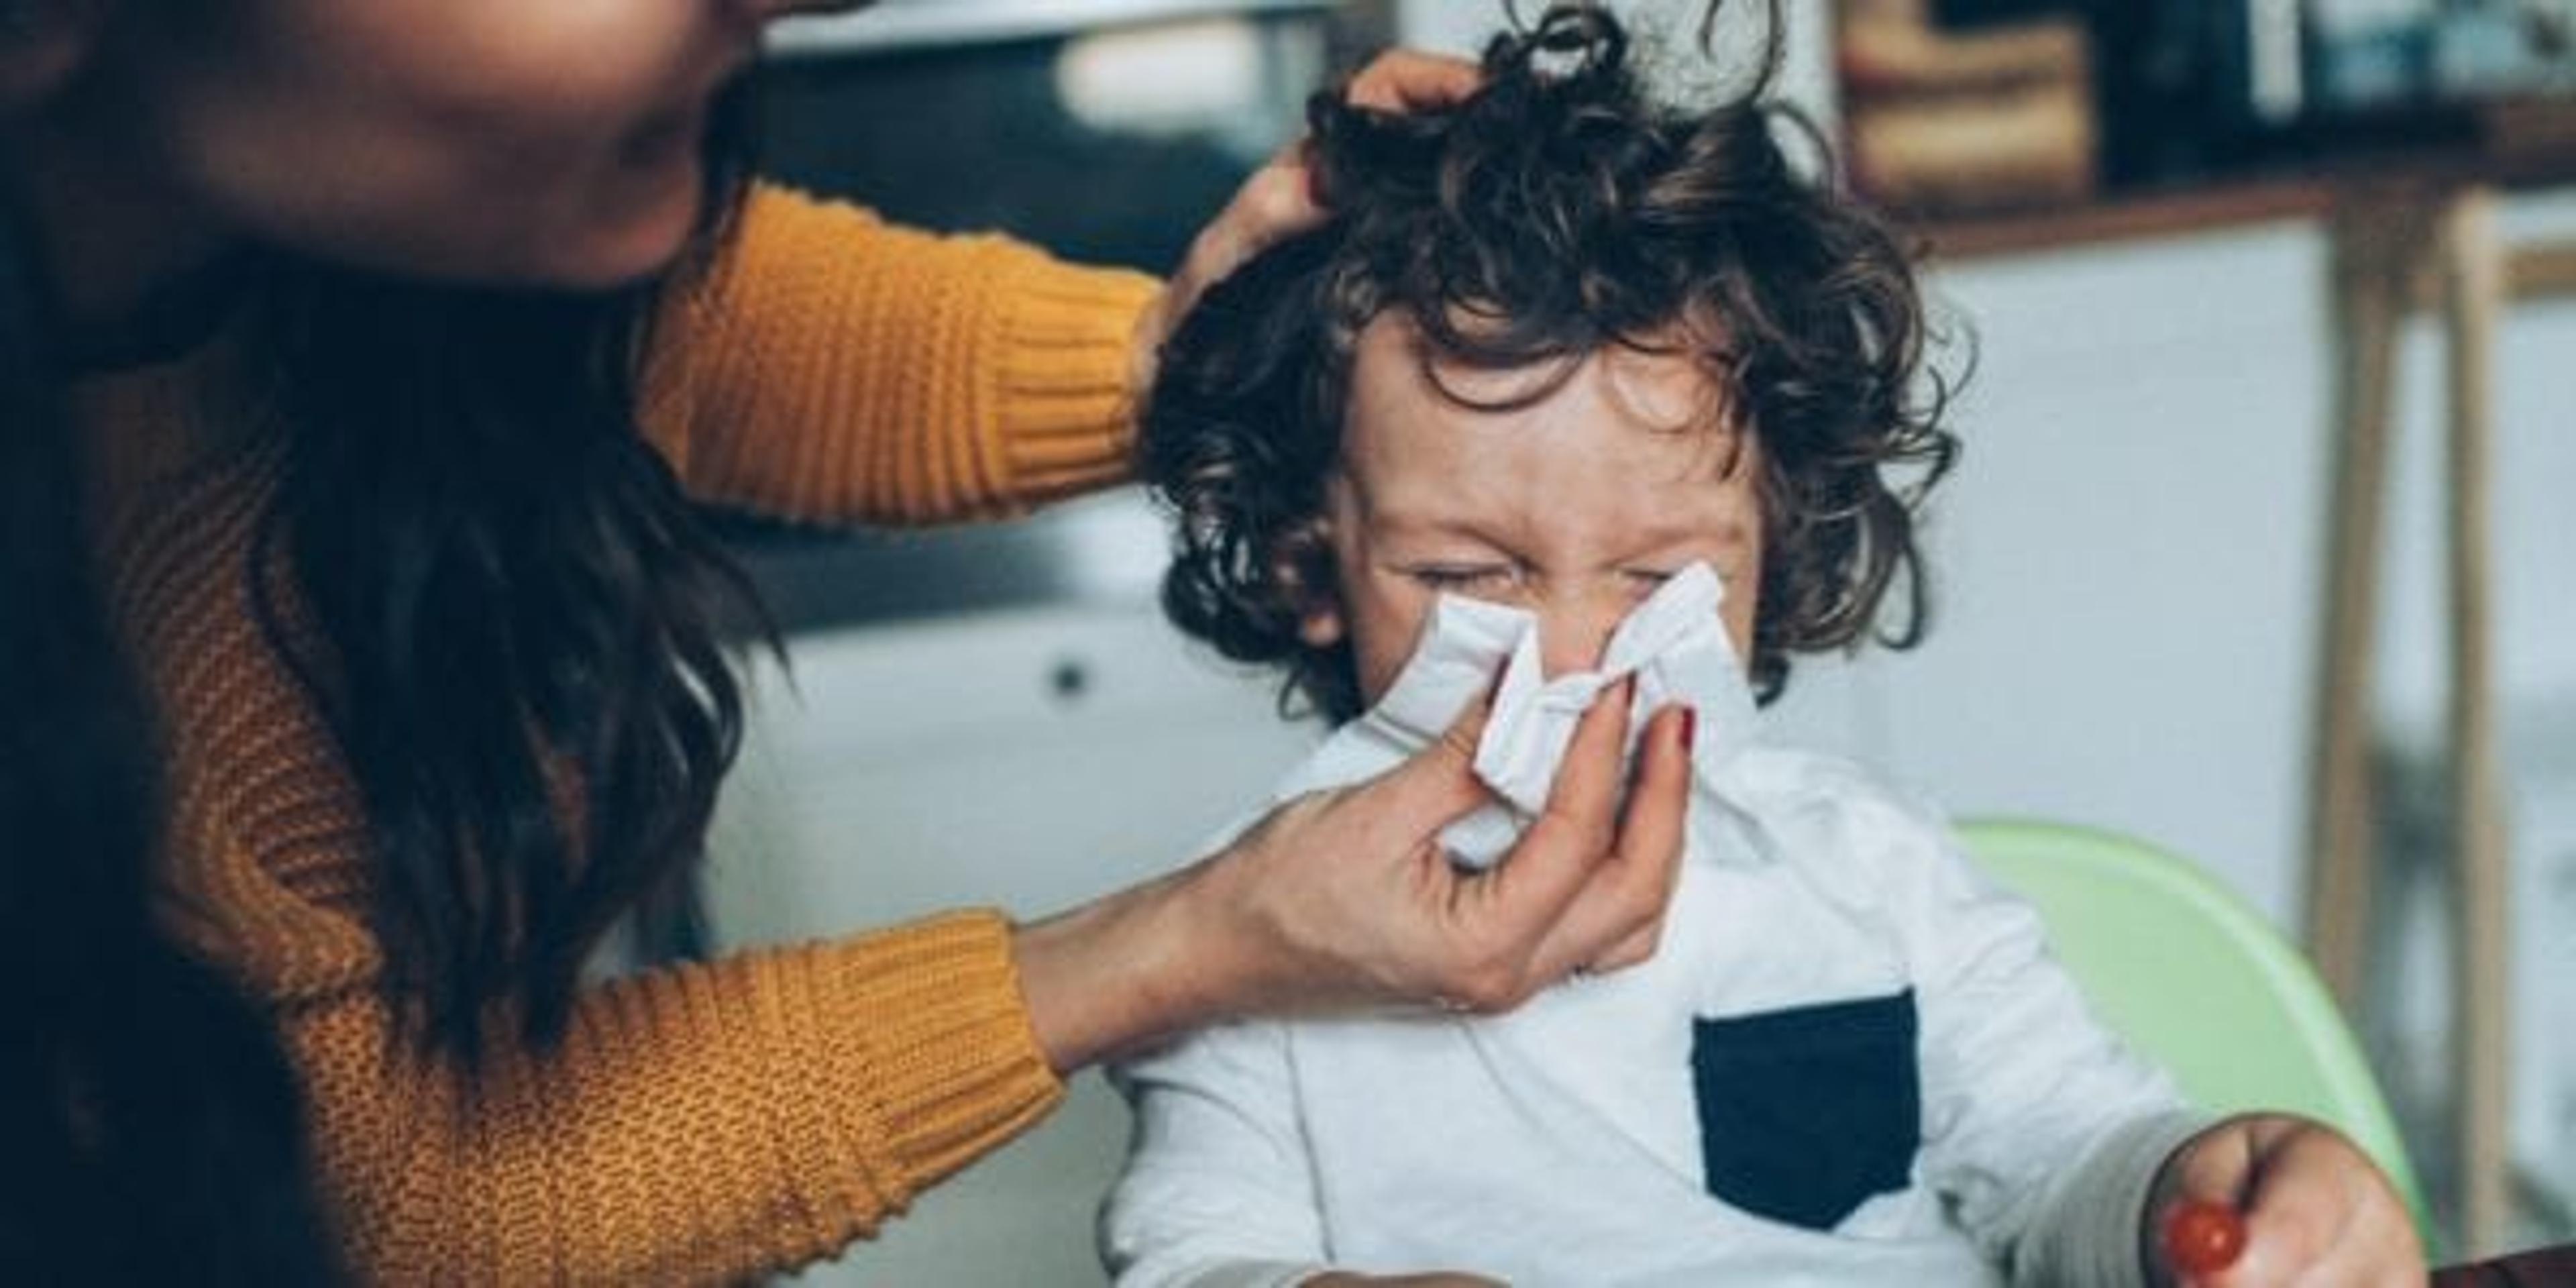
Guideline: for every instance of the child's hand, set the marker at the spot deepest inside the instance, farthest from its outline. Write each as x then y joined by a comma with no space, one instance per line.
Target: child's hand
2314,1207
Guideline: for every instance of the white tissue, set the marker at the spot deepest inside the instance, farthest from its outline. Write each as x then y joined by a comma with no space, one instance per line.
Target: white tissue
1673,643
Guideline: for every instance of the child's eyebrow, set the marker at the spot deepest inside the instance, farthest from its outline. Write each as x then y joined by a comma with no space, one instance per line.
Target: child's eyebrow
1410,523
1725,532
1721,530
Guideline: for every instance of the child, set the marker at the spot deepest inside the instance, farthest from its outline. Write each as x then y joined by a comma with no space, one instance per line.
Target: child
1597,395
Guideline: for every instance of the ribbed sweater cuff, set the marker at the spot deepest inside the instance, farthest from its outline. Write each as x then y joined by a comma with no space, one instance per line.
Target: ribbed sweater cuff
955,1068
1068,343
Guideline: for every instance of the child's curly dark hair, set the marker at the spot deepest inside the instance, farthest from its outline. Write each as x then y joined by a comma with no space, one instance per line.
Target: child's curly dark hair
1557,210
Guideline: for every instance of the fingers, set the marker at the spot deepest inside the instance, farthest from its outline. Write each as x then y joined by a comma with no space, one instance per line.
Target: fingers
1617,918
2215,1170
2297,1207
1573,834
2218,1165
1438,783
1647,858
1410,80
1274,203
2315,1209
1591,877
1281,199
1466,733
1586,884
1504,920
2321,1212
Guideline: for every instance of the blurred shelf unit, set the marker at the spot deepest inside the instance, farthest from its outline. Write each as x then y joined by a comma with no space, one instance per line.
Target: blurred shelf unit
2411,229
2509,146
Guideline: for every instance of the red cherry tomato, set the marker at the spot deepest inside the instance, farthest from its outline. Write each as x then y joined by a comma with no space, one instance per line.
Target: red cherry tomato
2201,1237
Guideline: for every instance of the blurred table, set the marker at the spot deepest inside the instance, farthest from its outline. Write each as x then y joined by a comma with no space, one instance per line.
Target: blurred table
2409,231
2538,1268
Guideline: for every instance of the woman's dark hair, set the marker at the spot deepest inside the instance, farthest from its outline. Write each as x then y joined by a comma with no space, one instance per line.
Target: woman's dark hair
150,1130
518,624
517,628
1557,210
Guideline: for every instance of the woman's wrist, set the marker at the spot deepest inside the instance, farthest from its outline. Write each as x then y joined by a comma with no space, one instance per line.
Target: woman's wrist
1124,971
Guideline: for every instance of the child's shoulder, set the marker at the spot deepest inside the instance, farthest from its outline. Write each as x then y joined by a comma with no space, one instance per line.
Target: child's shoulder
1820,785
1848,821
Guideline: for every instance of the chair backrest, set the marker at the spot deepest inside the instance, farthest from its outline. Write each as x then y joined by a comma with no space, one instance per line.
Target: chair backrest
2196,980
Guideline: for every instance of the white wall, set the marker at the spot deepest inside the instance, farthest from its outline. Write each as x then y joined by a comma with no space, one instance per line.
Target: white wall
2123,560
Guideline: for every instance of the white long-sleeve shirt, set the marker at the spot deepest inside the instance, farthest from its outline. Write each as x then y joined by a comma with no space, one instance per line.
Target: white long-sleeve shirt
1851,1061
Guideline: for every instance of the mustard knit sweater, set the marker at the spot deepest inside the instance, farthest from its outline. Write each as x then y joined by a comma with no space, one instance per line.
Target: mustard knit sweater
700,1123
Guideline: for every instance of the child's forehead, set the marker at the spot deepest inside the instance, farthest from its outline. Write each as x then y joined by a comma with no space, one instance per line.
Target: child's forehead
1621,434
1669,377
1665,385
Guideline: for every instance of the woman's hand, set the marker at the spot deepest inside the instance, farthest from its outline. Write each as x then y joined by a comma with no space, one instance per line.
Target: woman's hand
1280,200
2316,1210
1345,899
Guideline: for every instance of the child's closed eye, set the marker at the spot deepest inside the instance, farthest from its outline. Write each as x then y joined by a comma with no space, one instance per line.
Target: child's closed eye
1465,579
1642,583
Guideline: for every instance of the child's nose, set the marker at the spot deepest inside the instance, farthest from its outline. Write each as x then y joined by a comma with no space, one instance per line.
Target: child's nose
1573,636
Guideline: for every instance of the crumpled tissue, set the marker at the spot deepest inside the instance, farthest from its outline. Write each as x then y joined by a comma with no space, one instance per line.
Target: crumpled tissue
1673,643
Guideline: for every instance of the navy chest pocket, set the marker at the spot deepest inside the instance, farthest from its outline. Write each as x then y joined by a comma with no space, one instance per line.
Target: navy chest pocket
1805,1113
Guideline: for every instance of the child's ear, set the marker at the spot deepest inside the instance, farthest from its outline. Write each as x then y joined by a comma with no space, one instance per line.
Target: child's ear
1301,563
1320,626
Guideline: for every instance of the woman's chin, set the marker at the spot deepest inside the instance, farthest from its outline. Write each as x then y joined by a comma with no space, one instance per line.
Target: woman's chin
633,238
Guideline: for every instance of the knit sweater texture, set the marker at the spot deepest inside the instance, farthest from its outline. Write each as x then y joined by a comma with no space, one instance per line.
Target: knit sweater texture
699,1123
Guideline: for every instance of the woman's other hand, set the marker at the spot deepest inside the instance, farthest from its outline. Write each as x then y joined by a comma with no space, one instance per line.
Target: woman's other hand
1345,899
2315,1209
1280,199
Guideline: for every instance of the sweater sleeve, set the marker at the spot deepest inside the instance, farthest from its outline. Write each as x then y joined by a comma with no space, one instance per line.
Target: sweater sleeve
700,1124
829,367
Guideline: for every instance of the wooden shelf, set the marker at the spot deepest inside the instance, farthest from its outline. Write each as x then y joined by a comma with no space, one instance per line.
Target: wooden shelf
2170,213
2510,146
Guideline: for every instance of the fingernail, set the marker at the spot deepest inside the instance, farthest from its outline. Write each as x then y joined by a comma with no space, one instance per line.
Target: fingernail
1690,728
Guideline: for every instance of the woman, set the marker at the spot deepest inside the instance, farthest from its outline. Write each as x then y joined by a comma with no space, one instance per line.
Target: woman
360,375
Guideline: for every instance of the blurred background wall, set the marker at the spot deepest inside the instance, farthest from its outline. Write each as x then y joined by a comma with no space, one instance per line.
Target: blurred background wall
2128,564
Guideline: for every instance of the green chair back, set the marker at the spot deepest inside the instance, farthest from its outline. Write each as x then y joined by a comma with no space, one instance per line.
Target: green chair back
2195,980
